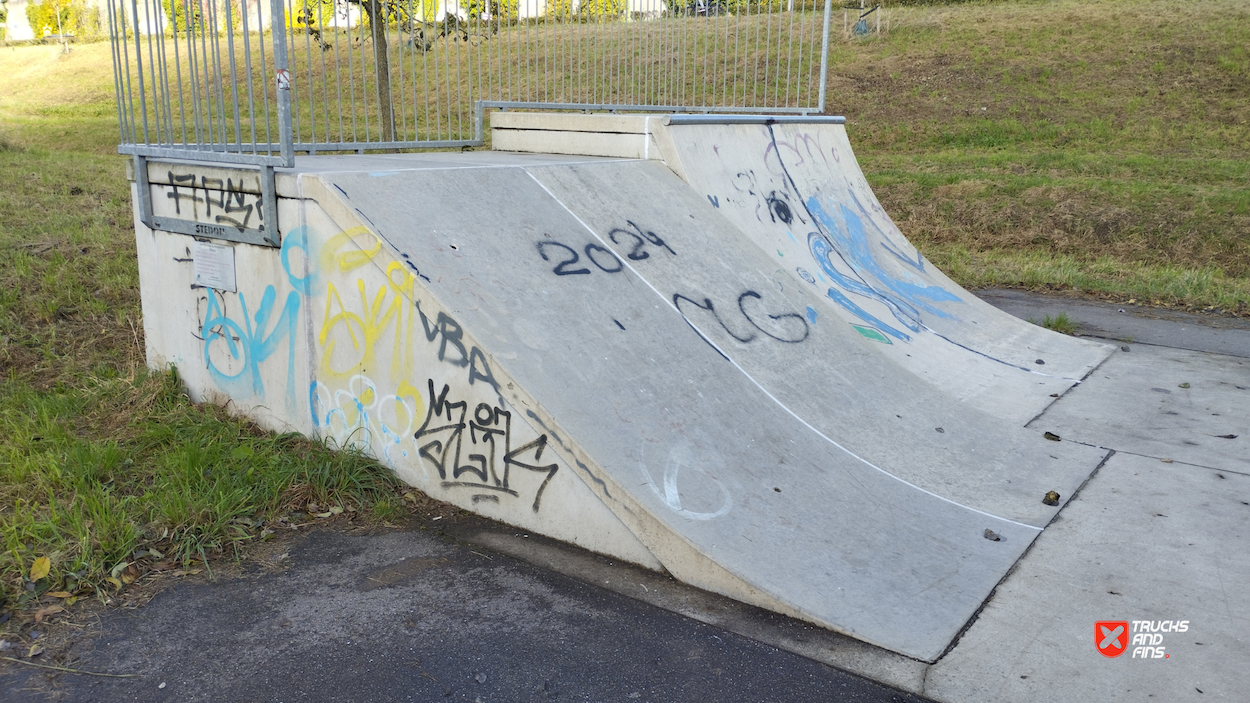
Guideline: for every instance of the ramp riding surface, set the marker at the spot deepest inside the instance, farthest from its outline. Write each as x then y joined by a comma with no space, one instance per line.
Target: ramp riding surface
753,442
797,191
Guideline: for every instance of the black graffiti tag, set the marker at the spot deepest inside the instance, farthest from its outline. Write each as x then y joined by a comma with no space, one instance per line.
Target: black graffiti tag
488,467
789,328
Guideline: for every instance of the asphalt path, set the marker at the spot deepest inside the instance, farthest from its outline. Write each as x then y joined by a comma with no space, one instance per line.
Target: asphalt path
410,614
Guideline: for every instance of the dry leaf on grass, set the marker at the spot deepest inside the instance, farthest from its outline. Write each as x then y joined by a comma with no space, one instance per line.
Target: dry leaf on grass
40,568
45,612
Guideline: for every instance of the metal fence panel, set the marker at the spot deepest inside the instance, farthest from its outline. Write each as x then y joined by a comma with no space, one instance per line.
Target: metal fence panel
202,79
253,81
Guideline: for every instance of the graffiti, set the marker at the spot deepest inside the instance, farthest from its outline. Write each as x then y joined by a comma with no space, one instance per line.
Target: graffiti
451,333
641,238
234,348
842,245
358,415
489,466
602,257
234,206
904,299
789,328
680,458
773,202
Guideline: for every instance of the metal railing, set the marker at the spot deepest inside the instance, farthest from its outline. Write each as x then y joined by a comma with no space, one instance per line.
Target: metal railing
252,82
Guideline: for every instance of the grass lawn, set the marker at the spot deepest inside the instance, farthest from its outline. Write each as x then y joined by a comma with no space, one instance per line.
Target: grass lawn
1101,147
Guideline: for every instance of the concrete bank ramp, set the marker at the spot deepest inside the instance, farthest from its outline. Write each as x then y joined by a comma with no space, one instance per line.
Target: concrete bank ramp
754,442
796,191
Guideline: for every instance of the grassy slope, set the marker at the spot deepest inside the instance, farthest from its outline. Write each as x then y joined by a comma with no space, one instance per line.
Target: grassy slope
1102,146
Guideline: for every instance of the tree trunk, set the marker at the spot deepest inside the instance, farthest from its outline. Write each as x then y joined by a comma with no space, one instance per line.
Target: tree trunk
382,67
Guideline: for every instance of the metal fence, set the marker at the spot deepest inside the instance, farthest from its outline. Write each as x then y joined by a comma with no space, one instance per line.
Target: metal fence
256,81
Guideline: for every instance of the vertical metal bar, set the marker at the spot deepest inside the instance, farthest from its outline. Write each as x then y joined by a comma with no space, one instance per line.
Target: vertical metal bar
297,128
247,69
824,57
139,69
283,98
234,77
153,69
790,77
276,14
216,126
269,196
167,99
144,190
351,75
403,94
117,37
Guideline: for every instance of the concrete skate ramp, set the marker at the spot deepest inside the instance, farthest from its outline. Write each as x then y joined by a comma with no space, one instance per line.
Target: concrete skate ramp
756,444
797,191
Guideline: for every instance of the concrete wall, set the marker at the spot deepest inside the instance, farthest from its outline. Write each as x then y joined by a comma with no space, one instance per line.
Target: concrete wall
333,336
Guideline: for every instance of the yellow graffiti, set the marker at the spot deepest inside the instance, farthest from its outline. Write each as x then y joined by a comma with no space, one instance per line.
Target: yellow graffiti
364,252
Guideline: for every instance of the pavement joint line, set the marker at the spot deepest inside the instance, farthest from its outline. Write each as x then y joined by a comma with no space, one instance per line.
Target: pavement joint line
758,385
1144,456
1157,345
1077,383
1016,565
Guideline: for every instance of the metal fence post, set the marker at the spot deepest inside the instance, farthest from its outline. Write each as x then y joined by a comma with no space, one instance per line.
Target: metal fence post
282,79
824,57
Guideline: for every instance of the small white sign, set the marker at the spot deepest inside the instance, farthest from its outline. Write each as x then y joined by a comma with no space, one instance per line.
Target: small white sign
214,266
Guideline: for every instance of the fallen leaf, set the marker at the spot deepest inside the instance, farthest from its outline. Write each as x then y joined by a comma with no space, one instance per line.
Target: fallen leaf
71,600
59,594
35,650
325,514
336,510
116,582
130,575
118,569
1051,436
45,612
40,568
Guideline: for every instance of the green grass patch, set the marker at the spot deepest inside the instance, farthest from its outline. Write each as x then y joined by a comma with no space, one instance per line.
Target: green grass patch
121,472
1060,323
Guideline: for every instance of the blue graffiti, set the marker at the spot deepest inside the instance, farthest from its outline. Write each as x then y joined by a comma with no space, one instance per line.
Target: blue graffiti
904,299
248,342
298,239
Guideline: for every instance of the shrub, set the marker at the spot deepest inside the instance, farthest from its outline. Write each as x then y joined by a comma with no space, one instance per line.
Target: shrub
76,17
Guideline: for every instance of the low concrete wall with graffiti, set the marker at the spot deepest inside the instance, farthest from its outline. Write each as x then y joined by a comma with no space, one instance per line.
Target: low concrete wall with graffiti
333,336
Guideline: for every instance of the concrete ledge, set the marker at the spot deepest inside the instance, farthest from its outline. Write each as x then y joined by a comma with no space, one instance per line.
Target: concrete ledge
628,146
571,122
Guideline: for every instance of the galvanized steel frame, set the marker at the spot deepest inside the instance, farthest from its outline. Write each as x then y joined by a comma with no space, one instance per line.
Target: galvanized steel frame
173,101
